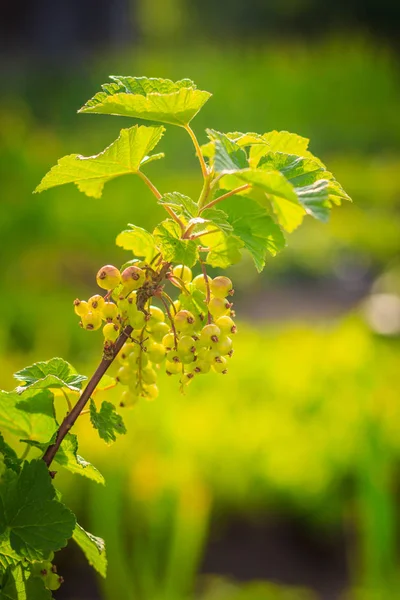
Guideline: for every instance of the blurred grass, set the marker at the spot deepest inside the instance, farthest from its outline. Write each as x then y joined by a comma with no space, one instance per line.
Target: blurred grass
308,419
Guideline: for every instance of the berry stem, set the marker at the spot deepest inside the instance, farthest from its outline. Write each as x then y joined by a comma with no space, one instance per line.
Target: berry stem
165,303
194,236
196,144
68,401
237,190
72,416
208,293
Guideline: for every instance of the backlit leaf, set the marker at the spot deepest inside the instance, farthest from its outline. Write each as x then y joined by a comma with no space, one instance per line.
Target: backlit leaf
161,100
124,156
54,373
93,548
172,247
140,241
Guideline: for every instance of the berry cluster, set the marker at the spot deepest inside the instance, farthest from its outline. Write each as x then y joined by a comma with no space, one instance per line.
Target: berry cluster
190,336
46,571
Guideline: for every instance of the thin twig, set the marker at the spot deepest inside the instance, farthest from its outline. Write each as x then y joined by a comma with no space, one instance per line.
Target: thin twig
202,162
237,190
158,195
194,236
72,416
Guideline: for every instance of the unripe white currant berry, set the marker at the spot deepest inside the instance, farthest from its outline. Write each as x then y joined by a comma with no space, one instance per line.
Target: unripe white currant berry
183,272
156,352
199,282
150,392
186,345
128,399
224,345
110,332
173,368
156,314
202,367
96,302
210,334
226,325
218,307
149,375
133,278
109,311
184,321
81,307
159,330
220,366
91,321
169,341
221,286
108,277
124,375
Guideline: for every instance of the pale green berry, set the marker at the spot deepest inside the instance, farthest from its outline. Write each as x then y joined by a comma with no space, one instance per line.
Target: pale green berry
169,341
224,345
124,375
109,311
108,277
220,365
199,282
183,272
184,321
156,314
226,325
81,307
137,319
209,334
186,344
173,368
156,352
149,375
53,581
150,392
202,366
91,321
133,278
128,399
96,303
173,356
159,330
110,332
218,307
221,286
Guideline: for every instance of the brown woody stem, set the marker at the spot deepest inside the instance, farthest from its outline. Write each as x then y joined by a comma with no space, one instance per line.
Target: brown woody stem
72,416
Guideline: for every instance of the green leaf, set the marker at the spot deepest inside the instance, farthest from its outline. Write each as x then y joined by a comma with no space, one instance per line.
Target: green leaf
10,458
54,373
172,247
159,100
224,250
269,181
258,232
279,141
8,556
140,241
107,421
28,416
218,218
182,205
18,584
124,156
67,456
315,187
228,156
37,523
93,548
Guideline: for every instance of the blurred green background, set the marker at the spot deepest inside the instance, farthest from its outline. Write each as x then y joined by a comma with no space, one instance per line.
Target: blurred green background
279,481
